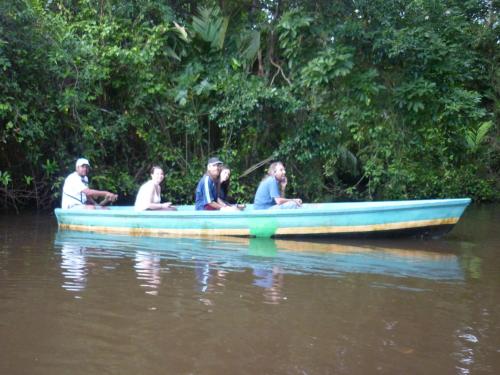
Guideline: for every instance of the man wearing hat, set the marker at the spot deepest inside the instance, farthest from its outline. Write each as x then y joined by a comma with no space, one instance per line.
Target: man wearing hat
206,191
76,191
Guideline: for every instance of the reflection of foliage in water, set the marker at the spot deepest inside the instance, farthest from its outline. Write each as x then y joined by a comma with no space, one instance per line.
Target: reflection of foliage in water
470,262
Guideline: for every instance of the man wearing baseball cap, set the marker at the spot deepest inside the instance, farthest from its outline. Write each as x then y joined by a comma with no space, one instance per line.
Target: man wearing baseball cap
206,191
76,191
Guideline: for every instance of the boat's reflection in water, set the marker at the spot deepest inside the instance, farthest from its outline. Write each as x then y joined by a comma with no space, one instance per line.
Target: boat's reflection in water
147,266
268,260
74,266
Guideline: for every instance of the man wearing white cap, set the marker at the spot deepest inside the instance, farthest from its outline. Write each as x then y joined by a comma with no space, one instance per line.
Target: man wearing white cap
76,191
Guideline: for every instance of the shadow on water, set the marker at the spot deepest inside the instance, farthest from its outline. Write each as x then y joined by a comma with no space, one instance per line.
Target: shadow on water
265,257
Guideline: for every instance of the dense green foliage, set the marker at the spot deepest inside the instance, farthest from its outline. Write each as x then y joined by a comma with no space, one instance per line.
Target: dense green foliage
365,99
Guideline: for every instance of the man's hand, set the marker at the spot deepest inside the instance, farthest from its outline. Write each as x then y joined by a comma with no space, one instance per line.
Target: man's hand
283,182
110,197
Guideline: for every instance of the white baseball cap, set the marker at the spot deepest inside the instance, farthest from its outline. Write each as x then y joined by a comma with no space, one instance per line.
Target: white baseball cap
82,161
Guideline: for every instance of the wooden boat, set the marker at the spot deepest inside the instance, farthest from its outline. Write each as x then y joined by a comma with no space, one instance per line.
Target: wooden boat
421,217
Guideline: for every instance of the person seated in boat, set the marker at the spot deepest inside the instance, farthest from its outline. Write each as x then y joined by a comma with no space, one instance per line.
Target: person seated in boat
76,191
206,191
271,190
149,195
223,188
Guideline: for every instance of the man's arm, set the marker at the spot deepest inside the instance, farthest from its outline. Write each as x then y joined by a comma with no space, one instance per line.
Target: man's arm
209,192
91,194
222,203
216,205
281,200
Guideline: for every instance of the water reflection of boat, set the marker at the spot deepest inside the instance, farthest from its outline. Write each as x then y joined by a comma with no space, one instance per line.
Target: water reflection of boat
234,254
74,266
147,267
423,217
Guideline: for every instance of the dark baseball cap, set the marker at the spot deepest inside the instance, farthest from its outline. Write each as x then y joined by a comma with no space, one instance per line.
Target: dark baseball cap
214,160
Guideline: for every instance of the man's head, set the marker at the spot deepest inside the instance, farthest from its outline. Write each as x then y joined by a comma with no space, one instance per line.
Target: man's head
82,167
277,169
213,167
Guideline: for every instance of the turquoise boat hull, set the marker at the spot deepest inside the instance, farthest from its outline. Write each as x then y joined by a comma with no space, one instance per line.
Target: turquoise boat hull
422,217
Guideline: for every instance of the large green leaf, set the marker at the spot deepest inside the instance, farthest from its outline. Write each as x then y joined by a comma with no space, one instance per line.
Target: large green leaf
211,26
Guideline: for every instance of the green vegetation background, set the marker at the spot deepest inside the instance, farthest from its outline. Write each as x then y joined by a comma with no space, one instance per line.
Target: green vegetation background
362,99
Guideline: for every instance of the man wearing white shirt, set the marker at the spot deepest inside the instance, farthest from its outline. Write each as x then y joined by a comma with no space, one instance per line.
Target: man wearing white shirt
76,191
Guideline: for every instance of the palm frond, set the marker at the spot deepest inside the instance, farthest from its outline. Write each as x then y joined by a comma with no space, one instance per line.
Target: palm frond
252,48
211,26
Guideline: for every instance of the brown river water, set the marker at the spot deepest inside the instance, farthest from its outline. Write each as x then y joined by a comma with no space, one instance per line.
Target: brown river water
83,303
